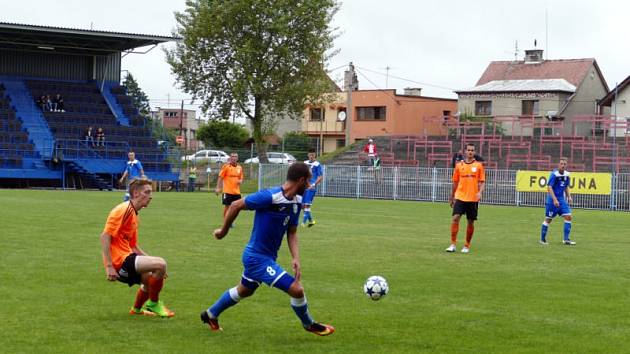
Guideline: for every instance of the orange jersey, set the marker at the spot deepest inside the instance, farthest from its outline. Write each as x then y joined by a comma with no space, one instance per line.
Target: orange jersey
468,176
122,226
231,176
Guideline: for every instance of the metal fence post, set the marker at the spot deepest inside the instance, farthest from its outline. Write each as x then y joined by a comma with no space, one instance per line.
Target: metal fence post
613,190
434,184
358,181
324,180
260,168
395,183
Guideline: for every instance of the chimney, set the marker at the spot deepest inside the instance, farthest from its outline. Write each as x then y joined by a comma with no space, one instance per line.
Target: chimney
413,91
350,79
533,56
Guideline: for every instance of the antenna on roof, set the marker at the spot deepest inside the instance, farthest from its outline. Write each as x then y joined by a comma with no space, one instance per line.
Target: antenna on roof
516,50
535,43
546,36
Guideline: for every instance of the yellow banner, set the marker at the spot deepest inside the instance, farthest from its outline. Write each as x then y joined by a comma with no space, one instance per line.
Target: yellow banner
580,182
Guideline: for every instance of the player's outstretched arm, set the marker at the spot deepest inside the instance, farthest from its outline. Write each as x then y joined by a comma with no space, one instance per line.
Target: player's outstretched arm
230,216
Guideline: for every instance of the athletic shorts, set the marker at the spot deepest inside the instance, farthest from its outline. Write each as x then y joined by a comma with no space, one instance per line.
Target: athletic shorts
551,211
308,197
127,273
468,208
228,199
261,269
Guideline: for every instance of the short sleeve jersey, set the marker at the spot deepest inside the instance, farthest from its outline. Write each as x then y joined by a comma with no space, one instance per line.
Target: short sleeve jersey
134,169
558,183
274,214
231,175
122,225
468,176
316,170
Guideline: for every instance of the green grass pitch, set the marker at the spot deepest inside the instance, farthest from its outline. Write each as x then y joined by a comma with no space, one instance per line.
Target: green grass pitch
509,295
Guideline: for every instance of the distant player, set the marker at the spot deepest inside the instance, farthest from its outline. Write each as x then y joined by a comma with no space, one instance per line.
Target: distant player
133,170
230,180
316,178
468,184
125,261
277,212
557,204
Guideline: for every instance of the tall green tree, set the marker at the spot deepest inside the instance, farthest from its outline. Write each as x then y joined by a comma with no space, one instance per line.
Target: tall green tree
254,57
140,99
222,134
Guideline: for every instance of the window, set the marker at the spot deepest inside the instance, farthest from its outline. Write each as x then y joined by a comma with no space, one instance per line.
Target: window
483,108
371,113
341,143
530,107
317,114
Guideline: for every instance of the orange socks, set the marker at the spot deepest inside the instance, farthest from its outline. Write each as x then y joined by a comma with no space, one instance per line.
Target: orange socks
155,286
470,229
141,298
454,231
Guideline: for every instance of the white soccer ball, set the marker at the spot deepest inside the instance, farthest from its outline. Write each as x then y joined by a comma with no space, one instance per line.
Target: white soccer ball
375,287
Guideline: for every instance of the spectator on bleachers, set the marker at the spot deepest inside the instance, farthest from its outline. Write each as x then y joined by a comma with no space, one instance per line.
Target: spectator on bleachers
41,103
58,104
100,137
49,103
459,156
370,150
89,136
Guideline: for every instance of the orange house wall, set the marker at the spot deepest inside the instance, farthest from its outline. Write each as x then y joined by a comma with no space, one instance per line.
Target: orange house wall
404,114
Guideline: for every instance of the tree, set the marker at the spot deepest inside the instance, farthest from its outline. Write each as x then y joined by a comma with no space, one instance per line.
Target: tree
253,57
140,99
222,134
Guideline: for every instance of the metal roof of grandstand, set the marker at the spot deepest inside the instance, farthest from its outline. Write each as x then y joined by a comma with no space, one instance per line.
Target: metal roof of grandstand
544,85
72,40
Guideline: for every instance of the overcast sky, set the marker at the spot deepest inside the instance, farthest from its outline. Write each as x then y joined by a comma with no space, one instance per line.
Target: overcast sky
437,45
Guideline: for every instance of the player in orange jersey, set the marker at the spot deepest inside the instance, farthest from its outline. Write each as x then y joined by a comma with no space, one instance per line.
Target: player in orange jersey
468,184
125,261
230,180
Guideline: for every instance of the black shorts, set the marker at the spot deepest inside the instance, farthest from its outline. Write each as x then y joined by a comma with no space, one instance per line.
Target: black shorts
127,273
228,199
468,208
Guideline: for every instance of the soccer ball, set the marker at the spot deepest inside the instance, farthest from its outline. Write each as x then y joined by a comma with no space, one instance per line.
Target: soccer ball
375,287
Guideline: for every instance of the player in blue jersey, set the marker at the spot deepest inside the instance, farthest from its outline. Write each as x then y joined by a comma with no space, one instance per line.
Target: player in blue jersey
557,204
316,178
133,170
277,213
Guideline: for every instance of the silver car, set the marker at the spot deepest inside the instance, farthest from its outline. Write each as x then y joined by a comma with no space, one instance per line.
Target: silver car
212,156
275,157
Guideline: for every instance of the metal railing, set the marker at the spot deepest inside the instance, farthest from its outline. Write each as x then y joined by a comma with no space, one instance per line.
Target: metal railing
434,184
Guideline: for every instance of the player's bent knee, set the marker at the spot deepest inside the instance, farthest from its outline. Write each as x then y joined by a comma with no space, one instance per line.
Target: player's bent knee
296,290
244,291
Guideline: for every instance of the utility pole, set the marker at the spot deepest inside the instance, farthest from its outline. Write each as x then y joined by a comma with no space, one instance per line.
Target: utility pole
181,126
351,83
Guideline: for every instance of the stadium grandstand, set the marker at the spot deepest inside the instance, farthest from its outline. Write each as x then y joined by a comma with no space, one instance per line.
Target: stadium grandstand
42,144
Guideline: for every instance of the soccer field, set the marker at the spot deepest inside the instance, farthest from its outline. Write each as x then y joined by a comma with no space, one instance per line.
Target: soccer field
509,295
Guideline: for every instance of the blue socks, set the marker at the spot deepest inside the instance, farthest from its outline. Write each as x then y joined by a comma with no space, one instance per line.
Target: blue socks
543,231
301,310
307,215
545,227
227,300
567,229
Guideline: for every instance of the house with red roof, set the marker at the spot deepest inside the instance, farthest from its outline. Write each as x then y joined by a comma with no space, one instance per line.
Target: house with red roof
617,103
556,90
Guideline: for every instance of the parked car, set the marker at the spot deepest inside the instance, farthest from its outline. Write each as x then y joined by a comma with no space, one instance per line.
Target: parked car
275,157
212,156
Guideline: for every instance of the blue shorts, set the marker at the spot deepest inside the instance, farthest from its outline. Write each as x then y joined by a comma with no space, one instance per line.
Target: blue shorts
261,269
551,211
308,197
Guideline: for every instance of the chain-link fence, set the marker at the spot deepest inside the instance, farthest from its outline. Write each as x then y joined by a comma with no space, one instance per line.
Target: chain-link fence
434,184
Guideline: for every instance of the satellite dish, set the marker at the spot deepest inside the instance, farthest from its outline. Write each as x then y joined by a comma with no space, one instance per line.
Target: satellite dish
341,116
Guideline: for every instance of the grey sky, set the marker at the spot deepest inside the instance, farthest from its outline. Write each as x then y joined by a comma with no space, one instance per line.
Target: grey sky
434,43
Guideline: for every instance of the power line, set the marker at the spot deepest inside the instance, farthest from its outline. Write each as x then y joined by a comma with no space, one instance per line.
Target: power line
404,79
